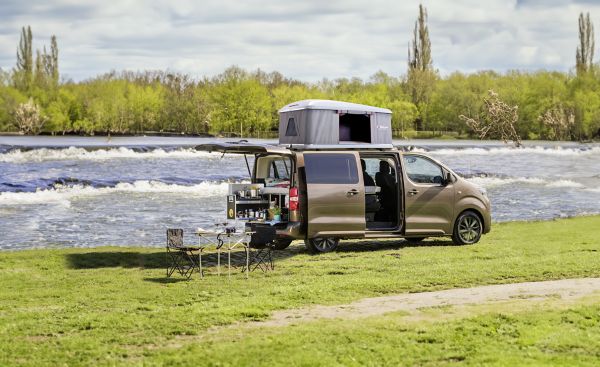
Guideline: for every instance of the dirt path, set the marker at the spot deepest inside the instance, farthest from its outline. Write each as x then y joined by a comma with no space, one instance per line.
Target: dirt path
565,289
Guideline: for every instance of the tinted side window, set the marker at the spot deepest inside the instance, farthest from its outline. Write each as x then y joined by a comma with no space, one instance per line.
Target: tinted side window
422,170
324,168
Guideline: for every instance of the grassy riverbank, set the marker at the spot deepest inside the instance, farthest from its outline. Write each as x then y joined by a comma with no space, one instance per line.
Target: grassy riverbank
114,305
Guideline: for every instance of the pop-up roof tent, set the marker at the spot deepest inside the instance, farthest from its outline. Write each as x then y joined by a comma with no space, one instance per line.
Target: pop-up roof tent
315,122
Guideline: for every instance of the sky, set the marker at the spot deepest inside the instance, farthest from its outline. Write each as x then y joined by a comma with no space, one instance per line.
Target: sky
304,39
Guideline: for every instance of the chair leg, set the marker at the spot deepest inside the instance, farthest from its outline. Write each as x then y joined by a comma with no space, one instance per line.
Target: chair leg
263,259
191,264
182,261
173,264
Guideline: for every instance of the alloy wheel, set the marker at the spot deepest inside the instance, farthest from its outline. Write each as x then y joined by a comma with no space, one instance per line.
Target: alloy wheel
469,229
322,244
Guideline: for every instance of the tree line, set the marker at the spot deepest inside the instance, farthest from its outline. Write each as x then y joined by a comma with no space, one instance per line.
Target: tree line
545,104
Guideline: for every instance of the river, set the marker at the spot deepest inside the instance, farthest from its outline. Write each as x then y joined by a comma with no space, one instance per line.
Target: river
124,191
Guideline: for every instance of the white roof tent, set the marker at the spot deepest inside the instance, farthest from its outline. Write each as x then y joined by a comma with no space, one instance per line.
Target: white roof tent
314,122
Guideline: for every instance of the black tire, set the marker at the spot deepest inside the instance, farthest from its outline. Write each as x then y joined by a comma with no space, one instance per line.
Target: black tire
415,240
467,229
321,245
281,244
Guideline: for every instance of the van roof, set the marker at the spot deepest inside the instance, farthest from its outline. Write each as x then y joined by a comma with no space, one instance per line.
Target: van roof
325,104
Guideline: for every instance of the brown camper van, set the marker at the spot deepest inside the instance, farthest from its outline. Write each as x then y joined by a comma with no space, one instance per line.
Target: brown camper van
336,175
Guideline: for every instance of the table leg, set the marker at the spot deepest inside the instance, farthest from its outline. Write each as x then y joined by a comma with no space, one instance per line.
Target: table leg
200,261
229,260
247,261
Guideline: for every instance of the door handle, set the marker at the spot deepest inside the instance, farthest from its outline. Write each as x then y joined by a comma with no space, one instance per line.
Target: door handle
352,192
413,192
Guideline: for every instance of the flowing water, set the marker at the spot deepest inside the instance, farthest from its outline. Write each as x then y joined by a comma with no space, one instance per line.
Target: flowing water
87,192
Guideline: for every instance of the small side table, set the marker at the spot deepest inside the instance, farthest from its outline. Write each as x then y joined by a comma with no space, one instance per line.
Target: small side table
228,241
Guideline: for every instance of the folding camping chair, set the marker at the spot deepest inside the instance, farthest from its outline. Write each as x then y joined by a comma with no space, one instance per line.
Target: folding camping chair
261,241
179,256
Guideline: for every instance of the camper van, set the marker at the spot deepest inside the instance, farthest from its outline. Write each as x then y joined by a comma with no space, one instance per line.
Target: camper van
335,174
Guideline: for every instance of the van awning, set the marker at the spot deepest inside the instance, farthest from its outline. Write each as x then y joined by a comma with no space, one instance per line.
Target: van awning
242,148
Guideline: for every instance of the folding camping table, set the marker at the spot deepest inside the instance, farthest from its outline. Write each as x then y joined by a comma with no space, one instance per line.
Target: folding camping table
228,241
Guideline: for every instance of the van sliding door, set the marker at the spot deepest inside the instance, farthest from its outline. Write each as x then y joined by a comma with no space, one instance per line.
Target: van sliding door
336,197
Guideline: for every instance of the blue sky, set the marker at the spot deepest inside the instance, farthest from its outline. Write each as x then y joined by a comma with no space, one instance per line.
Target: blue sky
307,40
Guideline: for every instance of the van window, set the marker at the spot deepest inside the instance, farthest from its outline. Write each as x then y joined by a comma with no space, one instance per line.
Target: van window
280,169
422,170
273,170
327,168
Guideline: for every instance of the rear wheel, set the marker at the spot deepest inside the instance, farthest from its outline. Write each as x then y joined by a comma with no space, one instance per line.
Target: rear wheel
321,244
281,244
467,229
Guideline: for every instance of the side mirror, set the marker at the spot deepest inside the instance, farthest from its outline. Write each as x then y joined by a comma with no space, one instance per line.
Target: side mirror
448,179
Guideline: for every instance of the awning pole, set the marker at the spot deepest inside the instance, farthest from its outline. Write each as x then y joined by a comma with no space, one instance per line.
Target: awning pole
248,166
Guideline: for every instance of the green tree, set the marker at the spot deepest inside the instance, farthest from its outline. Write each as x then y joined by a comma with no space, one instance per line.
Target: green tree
10,98
62,112
584,55
420,78
23,75
239,103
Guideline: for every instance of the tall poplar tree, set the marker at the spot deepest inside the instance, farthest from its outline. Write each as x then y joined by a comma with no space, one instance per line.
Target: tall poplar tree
420,76
24,68
585,50
54,55
419,53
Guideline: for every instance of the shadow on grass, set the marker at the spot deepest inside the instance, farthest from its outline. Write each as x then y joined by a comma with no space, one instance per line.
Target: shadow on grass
116,259
166,280
159,260
372,245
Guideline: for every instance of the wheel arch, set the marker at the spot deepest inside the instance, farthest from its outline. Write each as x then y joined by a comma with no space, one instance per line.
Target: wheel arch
470,209
476,205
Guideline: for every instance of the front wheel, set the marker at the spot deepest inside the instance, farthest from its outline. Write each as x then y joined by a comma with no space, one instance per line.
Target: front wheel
467,229
320,245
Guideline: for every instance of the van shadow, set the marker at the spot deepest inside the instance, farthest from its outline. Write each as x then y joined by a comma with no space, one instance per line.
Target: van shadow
160,259
384,245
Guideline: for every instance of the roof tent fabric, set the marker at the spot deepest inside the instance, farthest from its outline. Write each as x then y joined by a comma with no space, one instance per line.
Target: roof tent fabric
381,128
316,122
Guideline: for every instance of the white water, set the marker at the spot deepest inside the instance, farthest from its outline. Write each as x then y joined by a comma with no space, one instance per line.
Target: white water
489,182
64,195
557,151
74,153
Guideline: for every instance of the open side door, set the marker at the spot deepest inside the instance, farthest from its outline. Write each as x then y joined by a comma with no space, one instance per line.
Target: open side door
336,197
429,200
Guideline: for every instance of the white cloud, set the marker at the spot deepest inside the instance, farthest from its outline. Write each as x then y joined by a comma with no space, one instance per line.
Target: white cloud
308,40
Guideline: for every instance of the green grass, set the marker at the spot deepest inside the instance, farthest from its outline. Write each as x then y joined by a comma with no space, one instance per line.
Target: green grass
552,337
114,305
